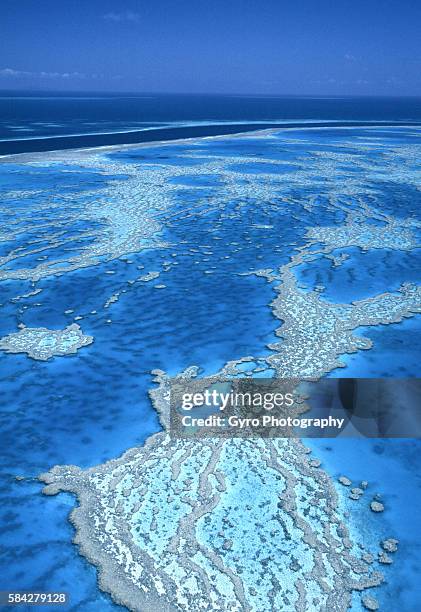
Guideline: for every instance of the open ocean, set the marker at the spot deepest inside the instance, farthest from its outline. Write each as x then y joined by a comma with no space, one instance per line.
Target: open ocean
91,407
118,118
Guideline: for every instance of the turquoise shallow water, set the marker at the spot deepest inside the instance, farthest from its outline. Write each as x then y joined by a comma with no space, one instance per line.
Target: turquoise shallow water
90,407
362,274
393,354
390,468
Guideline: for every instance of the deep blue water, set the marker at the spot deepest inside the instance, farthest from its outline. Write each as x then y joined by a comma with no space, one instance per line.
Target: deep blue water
38,115
91,407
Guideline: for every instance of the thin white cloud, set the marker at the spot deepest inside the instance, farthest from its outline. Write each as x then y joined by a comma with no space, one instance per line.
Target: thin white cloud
125,16
9,72
349,57
12,73
17,74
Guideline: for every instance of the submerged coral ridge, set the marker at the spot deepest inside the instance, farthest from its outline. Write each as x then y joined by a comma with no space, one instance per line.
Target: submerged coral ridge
315,333
215,525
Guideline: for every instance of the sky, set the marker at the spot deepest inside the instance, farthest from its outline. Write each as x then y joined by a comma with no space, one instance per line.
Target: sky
268,47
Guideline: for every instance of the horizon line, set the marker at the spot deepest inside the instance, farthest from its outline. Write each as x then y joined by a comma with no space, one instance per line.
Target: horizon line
80,93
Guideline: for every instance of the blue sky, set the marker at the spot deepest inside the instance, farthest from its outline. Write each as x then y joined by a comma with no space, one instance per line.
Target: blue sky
321,47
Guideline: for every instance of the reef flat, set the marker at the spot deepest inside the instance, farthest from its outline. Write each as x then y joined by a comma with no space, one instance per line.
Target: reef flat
41,343
213,524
